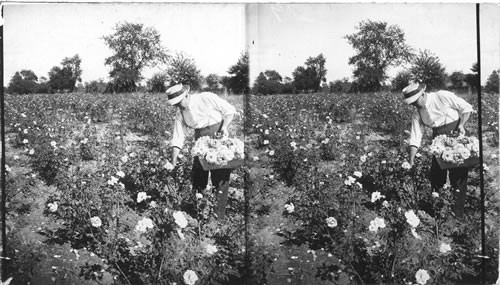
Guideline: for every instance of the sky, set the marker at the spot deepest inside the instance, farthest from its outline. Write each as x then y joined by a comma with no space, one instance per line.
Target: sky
283,36
279,36
40,36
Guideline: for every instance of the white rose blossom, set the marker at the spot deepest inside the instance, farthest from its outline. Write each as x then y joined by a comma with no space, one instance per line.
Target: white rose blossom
331,222
112,180
180,219
376,196
412,219
444,247
290,208
96,221
143,225
52,207
422,276
376,223
190,277
349,181
210,249
141,196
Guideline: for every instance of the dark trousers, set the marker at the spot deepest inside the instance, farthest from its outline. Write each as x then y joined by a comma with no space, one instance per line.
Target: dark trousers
219,177
458,176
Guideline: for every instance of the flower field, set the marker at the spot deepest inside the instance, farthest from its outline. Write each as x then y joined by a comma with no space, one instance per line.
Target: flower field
326,196
334,201
93,198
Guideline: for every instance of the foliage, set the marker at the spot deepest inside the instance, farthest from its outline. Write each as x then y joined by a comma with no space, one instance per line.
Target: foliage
457,80
340,86
157,83
64,78
310,76
23,82
378,46
343,177
401,80
213,82
95,86
99,176
268,82
238,81
427,69
182,69
472,79
134,47
492,83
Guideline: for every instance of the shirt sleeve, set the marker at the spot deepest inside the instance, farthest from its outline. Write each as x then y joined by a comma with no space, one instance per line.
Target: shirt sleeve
219,104
416,130
455,102
179,131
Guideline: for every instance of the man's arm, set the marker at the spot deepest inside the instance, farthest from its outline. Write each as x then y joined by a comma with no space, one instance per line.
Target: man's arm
227,120
177,137
413,152
416,133
464,117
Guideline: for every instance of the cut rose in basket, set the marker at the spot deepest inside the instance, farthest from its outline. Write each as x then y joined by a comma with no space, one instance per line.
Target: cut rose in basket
454,149
218,151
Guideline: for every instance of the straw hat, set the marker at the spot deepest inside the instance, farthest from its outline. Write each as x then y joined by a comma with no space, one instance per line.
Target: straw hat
176,93
412,92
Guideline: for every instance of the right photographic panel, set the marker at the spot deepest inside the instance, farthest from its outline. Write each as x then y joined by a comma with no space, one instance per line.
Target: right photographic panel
372,143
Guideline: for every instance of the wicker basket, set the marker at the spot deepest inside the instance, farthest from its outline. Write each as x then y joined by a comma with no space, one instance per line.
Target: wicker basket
235,163
468,163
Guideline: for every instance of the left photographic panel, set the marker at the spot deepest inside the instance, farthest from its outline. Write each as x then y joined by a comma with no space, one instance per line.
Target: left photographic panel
124,143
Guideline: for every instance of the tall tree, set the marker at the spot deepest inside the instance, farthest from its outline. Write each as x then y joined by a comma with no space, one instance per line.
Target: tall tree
317,65
134,47
65,77
427,68
492,83
378,46
182,69
72,65
304,79
239,75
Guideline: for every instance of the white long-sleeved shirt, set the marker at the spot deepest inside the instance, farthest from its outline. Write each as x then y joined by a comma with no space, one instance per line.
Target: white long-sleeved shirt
441,108
205,109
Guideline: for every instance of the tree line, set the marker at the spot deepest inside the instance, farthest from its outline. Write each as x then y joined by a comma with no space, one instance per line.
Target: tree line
134,48
378,46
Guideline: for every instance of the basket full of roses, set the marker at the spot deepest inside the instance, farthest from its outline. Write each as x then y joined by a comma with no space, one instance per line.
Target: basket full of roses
455,151
219,153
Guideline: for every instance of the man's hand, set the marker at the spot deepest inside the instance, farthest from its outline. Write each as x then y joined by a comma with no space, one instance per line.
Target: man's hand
413,152
224,131
461,130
